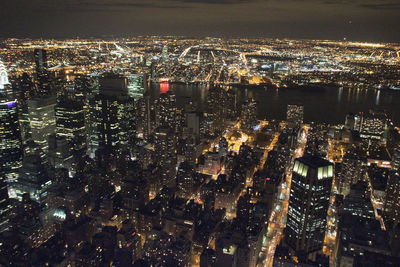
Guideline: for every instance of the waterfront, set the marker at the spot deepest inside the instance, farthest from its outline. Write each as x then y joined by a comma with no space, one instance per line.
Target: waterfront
328,105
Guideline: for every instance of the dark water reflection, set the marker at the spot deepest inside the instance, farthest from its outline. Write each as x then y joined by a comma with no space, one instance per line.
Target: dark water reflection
328,105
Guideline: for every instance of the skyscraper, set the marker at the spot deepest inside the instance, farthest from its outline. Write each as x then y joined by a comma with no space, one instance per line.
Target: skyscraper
249,114
374,125
42,73
165,153
70,123
166,110
351,171
308,204
33,179
111,120
3,77
10,140
353,122
137,84
42,119
10,155
295,114
41,60
392,197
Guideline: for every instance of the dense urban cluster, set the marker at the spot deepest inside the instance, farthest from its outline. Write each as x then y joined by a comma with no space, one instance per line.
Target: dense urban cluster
99,170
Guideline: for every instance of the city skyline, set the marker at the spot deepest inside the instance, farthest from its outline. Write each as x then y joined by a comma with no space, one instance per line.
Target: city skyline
182,151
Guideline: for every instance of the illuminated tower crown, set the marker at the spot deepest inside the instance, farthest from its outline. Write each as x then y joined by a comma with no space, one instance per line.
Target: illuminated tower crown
3,76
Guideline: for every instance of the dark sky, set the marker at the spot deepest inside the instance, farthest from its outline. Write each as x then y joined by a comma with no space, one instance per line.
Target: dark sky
362,20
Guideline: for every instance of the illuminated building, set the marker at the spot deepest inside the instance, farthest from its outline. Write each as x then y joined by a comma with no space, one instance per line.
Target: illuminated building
70,123
392,197
212,163
187,147
396,158
42,120
374,125
308,203
165,153
42,72
226,194
221,106
249,114
60,154
3,77
193,122
295,114
166,110
40,60
137,84
146,115
358,201
5,206
33,179
353,122
10,141
111,116
378,181
351,171
359,237
10,155
185,180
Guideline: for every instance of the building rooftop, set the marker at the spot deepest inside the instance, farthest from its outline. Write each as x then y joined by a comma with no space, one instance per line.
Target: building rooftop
314,161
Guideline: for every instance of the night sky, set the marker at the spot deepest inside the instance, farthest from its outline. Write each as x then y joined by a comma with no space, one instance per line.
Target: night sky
361,20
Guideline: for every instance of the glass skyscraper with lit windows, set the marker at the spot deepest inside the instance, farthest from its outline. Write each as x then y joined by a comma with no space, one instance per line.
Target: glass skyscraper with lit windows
308,203
10,155
10,140
42,120
111,119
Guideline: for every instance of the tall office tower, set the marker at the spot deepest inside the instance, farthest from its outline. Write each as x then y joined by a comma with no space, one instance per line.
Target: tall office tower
137,85
165,153
220,107
166,110
187,148
249,114
185,180
392,197
27,86
193,123
230,104
10,155
111,120
351,171
84,86
353,122
308,204
42,72
146,116
70,123
60,154
374,125
41,60
33,179
10,141
295,114
42,120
